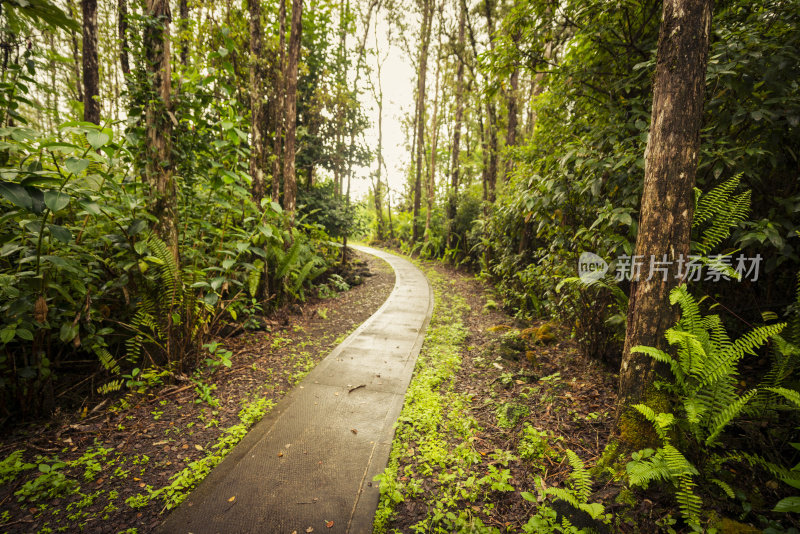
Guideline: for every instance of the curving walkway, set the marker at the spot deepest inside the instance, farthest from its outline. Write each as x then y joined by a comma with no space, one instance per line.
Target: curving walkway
311,461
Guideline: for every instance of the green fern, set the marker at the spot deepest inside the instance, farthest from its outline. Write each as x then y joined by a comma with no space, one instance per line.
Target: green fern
579,492
722,209
704,382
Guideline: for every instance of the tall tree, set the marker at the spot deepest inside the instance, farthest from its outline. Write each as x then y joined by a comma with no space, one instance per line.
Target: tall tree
491,112
377,93
278,96
257,105
183,39
290,109
91,76
434,131
667,199
159,121
76,55
459,116
422,66
122,27
511,124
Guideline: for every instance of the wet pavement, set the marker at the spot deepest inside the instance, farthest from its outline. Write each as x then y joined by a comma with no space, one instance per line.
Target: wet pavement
309,463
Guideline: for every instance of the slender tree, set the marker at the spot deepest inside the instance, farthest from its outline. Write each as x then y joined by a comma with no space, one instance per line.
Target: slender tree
159,121
76,52
290,109
183,13
257,105
459,117
122,27
491,112
667,200
278,96
91,77
422,65
434,132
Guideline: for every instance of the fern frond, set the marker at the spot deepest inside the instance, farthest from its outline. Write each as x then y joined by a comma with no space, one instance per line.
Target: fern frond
110,387
301,277
106,360
724,417
642,472
288,260
791,395
661,356
724,210
676,462
725,487
690,309
753,460
661,422
581,480
688,501
564,495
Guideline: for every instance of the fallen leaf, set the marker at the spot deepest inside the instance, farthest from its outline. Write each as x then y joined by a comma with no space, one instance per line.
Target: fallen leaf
198,447
232,499
310,529
329,524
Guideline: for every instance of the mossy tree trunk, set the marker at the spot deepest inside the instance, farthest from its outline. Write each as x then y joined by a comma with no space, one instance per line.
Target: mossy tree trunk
668,197
159,121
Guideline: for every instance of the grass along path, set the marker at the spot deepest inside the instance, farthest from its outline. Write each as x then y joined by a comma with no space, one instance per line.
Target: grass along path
485,444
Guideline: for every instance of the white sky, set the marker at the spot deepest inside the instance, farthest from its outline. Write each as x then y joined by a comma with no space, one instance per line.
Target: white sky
398,80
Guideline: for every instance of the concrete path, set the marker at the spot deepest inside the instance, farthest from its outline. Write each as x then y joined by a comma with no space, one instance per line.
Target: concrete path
310,462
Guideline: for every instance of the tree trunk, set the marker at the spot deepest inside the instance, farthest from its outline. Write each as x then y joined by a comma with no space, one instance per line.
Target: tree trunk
455,165
378,171
277,141
290,110
491,111
427,16
257,106
159,122
434,137
491,133
183,12
91,77
122,26
511,129
668,196
76,54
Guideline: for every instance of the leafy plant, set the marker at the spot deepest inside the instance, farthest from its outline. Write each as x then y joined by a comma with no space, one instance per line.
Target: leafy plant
576,495
704,385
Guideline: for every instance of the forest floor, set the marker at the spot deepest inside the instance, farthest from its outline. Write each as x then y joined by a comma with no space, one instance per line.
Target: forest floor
119,466
509,398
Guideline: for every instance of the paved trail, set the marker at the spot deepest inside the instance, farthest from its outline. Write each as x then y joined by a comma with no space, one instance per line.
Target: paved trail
312,459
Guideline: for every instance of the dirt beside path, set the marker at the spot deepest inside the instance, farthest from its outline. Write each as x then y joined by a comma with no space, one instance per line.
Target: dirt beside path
101,469
531,400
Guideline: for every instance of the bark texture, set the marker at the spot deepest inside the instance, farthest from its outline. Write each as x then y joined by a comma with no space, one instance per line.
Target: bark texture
277,140
422,65
159,122
91,76
122,27
668,198
290,115
452,201
257,106
183,12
